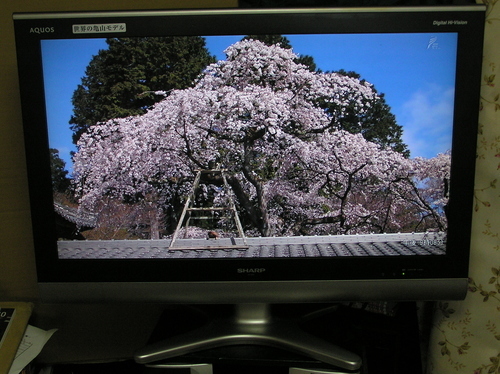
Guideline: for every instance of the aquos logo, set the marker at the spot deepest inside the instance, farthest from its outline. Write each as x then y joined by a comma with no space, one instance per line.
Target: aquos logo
41,30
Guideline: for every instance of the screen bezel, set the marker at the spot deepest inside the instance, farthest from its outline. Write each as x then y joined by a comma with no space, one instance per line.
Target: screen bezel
453,265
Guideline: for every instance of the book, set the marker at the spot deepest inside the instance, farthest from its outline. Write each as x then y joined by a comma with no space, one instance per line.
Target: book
14,318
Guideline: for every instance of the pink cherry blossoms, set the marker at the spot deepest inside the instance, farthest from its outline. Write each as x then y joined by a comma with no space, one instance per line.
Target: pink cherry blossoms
261,116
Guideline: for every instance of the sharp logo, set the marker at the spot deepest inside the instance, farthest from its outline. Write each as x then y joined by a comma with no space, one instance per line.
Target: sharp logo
251,270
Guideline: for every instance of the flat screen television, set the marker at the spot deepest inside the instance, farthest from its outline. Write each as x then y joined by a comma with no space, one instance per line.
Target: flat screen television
251,157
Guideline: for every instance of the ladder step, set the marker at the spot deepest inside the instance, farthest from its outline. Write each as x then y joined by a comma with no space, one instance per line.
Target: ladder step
204,171
208,247
207,209
188,207
201,217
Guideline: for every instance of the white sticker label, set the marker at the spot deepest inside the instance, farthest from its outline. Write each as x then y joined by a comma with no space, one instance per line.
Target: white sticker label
99,28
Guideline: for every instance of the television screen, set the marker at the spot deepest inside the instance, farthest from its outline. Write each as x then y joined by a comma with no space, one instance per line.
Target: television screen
249,147
279,136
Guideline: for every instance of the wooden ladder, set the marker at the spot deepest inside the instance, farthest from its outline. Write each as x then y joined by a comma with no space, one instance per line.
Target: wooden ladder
189,208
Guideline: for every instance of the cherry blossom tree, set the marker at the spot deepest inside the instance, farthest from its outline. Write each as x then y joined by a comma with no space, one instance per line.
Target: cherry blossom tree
275,127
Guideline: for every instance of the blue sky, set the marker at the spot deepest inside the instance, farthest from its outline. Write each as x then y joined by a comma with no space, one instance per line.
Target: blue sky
416,72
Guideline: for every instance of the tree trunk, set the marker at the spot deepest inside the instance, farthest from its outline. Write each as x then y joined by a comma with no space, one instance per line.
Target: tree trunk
154,224
263,216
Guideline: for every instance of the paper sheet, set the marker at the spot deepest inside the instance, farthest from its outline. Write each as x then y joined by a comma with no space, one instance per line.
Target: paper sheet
33,341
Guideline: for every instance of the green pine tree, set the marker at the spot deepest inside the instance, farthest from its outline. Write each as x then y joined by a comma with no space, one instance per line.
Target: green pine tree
60,180
377,125
120,81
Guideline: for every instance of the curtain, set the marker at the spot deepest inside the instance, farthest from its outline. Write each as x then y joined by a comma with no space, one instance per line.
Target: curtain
465,335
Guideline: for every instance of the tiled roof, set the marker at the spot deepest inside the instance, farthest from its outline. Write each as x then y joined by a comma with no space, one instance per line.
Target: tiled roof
73,215
304,246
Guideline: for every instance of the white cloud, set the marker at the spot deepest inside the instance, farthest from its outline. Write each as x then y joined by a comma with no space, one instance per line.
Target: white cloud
427,119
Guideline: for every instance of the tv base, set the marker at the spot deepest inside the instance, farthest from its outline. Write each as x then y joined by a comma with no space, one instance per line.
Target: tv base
252,324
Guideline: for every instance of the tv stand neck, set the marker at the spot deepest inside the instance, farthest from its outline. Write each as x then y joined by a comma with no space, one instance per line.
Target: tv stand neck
252,324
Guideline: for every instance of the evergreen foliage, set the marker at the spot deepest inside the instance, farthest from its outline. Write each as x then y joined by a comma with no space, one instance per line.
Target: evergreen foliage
121,80
60,180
